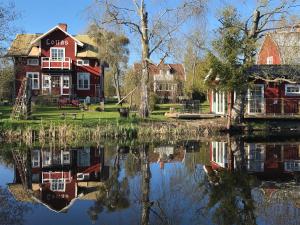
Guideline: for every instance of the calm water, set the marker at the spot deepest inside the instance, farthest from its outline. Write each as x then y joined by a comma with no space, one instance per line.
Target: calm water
188,182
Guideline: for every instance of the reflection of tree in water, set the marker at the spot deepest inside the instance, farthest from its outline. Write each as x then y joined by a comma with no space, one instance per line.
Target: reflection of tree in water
11,211
282,198
231,199
132,164
113,194
230,195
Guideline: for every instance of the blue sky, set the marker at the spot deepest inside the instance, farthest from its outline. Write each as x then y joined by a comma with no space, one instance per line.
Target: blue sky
38,16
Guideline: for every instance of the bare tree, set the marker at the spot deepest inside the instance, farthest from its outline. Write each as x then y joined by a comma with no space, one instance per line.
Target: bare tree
8,15
113,49
154,31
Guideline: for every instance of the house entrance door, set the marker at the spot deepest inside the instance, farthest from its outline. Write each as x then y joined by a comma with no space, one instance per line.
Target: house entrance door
55,85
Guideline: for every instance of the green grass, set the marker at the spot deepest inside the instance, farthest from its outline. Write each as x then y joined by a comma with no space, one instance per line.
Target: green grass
51,114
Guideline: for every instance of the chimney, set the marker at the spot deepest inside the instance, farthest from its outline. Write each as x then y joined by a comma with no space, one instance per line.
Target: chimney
63,26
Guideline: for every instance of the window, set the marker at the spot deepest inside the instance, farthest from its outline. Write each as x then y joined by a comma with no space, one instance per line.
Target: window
57,54
46,81
35,79
83,62
35,158
33,62
270,60
57,185
292,89
256,99
83,81
66,82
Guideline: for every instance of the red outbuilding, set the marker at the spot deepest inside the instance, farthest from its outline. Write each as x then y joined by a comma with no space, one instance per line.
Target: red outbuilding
275,84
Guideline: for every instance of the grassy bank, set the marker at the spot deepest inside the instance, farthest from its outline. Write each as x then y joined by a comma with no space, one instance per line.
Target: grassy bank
50,122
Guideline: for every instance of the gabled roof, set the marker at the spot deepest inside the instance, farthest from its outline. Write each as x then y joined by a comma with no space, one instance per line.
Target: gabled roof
21,46
288,44
89,48
53,29
154,69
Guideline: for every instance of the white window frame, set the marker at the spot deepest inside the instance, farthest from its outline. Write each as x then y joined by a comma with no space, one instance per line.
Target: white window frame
270,60
62,87
58,182
46,77
35,78
89,81
58,48
262,87
35,158
83,62
32,62
292,93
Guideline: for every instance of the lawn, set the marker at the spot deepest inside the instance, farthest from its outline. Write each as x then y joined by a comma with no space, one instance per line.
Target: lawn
89,117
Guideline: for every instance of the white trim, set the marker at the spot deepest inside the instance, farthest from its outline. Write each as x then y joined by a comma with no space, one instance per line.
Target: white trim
49,79
36,60
57,48
34,73
51,30
220,95
291,93
89,80
263,97
270,60
61,85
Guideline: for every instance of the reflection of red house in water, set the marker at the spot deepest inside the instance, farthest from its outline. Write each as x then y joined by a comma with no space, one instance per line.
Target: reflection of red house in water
61,176
277,160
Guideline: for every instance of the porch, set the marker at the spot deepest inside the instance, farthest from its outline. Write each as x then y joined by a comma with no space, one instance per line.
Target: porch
284,108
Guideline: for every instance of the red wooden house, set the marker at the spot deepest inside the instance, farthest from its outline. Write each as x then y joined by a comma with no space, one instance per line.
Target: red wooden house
58,64
59,177
272,94
267,161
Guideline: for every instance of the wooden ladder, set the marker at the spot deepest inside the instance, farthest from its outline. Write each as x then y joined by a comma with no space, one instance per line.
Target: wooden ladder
19,162
21,101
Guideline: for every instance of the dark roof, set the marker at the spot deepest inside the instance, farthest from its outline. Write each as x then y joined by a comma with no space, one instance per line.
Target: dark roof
271,72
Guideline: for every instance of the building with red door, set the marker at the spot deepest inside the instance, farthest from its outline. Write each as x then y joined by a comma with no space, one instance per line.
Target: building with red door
58,64
275,85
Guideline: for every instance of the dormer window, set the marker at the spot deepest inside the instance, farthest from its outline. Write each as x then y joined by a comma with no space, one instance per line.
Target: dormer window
33,62
83,62
270,60
57,54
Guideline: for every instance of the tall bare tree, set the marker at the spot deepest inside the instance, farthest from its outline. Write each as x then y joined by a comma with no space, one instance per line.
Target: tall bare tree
8,15
154,30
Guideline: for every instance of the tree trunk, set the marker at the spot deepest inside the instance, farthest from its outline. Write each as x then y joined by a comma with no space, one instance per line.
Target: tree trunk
146,175
144,105
238,109
116,78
